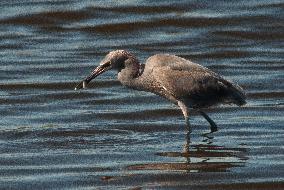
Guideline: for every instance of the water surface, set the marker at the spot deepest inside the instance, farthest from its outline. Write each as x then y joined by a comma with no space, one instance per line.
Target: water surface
111,137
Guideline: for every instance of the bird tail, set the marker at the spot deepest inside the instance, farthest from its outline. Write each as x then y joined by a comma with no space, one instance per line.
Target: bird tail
236,93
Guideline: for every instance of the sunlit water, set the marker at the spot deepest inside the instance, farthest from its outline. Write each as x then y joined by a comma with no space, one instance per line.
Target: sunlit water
111,137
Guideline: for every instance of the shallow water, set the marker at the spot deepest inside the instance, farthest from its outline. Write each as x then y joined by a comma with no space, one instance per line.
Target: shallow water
111,137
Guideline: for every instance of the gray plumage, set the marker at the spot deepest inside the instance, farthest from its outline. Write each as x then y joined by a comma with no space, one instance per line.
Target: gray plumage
184,83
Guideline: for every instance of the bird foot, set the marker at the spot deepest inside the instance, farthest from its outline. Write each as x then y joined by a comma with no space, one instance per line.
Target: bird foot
213,125
213,129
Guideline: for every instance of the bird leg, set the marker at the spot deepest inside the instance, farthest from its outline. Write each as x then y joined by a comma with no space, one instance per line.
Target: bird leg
184,110
188,126
186,145
213,125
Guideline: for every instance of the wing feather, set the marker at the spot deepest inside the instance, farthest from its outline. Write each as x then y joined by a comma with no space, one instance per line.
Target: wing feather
181,83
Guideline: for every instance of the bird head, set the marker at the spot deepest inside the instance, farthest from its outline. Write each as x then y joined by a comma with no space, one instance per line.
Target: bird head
113,60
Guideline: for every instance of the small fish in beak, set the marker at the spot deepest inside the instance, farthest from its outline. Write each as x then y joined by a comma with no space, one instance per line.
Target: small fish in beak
98,70
84,84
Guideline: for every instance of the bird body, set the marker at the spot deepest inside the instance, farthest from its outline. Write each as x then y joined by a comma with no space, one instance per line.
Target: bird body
176,78
184,83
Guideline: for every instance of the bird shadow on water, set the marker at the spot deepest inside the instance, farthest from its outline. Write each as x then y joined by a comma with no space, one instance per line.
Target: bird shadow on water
204,157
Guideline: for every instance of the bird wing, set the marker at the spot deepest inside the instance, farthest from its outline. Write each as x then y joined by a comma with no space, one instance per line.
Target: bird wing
186,80
199,88
181,83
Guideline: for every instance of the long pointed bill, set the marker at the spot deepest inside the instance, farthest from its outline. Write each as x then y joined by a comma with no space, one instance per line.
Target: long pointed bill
99,70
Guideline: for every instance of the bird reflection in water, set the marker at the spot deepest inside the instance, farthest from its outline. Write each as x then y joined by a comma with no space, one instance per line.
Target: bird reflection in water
209,157
199,158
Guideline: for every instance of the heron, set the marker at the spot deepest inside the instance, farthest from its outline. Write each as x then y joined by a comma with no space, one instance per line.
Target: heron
184,83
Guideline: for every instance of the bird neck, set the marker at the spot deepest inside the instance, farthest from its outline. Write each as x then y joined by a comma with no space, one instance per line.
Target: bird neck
130,76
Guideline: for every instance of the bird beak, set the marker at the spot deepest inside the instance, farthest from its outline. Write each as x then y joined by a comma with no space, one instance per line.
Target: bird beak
98,70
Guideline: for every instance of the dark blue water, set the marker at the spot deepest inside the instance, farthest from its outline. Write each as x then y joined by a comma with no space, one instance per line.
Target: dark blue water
111,137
